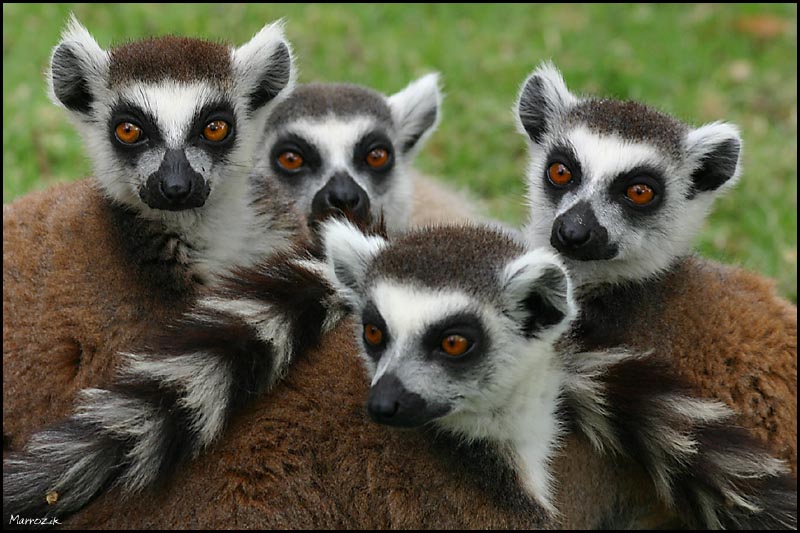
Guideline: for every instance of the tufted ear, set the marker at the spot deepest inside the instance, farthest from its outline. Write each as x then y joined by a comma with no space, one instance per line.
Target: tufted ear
264,67
349,252
78,69
714,151
543,98
416,111
538,293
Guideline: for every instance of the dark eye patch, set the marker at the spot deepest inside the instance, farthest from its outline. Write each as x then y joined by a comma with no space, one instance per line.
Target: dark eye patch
291,142
466,325
127,112
220,110
371,315
562,153
371,141
651,176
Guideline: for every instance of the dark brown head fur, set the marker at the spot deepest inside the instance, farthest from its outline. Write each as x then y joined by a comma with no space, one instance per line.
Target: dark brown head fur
430,257
176,58
630,120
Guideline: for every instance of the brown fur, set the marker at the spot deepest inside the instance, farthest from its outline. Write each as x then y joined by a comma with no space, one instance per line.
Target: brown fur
724,329
176,58
306,456
82,280
630,120
68,303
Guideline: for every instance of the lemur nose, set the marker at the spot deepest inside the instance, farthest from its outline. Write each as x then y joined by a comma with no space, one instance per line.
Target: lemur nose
382,408
175,189
572,234
341,194
346,200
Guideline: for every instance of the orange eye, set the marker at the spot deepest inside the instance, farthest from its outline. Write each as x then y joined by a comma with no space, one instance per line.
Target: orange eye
377,158
455,345
128,132
640,194
216,131
290,160
559,174
373,334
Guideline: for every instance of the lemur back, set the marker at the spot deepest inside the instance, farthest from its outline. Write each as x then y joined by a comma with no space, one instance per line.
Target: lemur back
90,267
620,190
496,415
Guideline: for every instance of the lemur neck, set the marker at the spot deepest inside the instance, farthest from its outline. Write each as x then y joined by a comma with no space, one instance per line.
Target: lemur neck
227,232
524,426
533,430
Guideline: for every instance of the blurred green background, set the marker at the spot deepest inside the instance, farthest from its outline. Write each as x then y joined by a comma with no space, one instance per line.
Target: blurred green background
699,62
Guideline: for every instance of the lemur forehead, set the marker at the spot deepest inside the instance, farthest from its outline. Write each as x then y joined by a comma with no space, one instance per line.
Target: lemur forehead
630,120
322,99
467,258
174,58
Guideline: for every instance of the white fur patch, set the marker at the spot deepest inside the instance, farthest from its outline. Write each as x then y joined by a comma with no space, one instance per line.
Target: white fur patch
204,380
349,252
412,109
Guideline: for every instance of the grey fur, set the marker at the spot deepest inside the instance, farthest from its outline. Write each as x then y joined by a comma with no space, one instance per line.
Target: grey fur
318,100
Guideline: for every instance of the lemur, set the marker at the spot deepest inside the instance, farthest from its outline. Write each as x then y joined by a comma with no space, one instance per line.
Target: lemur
348,148
171,125
619,190
460,327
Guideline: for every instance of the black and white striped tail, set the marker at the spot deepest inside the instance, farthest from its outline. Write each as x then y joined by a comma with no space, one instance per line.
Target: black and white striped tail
174,397
715,474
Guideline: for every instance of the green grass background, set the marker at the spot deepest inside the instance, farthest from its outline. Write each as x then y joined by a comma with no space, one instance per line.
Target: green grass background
699,62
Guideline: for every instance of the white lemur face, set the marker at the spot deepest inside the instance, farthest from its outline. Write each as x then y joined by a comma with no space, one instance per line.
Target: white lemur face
617,188
169,120
345,148
451,318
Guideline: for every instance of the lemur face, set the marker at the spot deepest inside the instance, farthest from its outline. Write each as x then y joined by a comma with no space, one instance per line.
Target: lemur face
449,318
617,188
167,120
345,148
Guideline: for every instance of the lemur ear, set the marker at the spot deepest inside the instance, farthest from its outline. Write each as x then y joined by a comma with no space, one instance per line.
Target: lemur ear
349,253
416,111
714,151
263,66
78,69
543,98
538,293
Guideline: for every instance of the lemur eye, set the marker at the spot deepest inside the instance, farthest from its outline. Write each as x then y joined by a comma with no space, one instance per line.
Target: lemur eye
377,157
290,160
640,194
455,345
216,131
559,174
127,132
373,334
